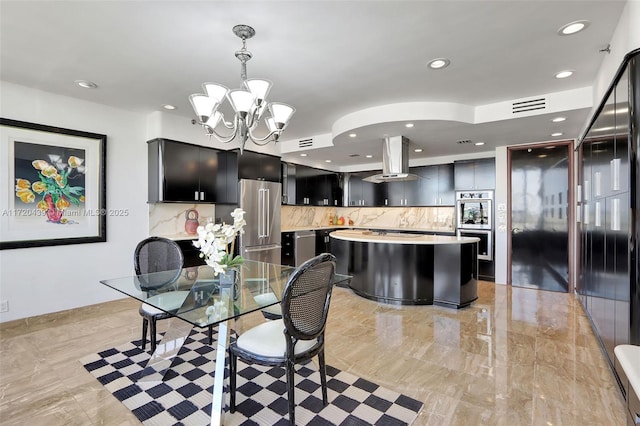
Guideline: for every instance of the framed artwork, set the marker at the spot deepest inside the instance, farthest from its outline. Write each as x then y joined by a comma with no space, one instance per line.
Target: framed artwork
52,186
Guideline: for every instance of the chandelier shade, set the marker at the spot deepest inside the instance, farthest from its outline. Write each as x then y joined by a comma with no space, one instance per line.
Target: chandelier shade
249,103
216,92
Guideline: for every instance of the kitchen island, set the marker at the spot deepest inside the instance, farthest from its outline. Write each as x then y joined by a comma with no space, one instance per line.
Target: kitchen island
408,268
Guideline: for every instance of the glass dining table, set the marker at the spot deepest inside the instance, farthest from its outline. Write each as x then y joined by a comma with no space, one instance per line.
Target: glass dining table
196,298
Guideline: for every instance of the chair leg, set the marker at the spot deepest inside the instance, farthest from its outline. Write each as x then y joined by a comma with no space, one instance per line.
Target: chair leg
152,336
290,392
145,324
323,377
211,335
233,366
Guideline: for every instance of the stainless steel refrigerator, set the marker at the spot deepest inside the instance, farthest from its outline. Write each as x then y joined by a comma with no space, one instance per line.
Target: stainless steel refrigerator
261,202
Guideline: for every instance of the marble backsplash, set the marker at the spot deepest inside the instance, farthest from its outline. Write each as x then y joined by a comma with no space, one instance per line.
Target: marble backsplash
168,219
439,219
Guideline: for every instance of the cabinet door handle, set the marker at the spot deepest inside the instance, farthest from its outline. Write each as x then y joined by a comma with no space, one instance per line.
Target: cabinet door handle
615,214
597,180
196,195
587,190
202,196
597,214
615,174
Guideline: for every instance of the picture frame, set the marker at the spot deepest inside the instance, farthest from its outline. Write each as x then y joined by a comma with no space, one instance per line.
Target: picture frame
52,185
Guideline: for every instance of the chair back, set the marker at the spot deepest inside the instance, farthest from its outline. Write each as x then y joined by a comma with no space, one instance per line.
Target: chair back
157,254
305,301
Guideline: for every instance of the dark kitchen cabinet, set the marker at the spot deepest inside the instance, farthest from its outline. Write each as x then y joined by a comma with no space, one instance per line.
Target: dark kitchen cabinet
323,241
288,249
190,254
288,176
607,204
435,185
258,166
181,172
363,193
317,187
475,174
403,193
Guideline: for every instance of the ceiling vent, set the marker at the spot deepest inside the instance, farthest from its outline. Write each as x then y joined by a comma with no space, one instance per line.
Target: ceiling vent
305,143
354,155
529,105
463,141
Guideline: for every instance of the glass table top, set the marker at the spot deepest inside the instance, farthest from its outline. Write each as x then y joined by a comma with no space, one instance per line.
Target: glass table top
196,296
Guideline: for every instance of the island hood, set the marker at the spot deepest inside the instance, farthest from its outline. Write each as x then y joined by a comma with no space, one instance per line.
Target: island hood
395,161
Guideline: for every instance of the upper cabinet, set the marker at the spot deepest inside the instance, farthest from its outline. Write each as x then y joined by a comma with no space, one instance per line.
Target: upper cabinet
363,193
258,166
433,187
475,174
181,172
303,185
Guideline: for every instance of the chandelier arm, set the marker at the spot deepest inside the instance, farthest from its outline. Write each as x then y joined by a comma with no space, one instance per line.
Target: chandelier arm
257,140
224,139
231,126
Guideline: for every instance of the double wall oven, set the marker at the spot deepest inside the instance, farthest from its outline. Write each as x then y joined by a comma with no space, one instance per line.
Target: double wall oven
474,218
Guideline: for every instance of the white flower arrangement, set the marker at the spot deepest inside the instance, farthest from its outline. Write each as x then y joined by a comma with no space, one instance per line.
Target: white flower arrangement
216,243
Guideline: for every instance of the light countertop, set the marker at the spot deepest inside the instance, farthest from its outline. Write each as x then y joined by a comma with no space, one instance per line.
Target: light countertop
347,227
629,358
399,238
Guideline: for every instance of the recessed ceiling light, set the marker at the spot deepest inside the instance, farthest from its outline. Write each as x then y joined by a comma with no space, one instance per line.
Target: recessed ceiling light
573,27
556,134
169,107
352,135
558,119
417,150
86,84
479,143
327,161
409,125
369,156
564,74
303,155
438,63
542,155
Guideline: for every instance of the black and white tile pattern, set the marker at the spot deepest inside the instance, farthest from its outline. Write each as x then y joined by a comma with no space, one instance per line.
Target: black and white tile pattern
184,398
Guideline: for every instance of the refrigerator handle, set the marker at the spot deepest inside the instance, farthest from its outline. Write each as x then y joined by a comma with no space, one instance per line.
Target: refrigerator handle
267,216
260,212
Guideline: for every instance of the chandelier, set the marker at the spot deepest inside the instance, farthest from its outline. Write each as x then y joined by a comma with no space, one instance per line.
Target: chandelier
249,103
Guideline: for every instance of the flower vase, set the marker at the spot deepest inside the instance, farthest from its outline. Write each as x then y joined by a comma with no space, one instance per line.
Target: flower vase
229,283
53,214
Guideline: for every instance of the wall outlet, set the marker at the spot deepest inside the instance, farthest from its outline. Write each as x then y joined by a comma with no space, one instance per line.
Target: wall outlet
4,306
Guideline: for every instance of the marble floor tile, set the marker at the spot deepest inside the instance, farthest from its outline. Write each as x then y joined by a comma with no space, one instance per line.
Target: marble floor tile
517,356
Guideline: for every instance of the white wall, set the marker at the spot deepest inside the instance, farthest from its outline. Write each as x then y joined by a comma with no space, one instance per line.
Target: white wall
48,279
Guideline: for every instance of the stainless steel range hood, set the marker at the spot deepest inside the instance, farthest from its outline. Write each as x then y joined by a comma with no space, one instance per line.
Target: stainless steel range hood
395,161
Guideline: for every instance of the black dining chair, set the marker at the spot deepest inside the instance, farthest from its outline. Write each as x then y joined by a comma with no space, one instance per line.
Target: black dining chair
159,254
295,338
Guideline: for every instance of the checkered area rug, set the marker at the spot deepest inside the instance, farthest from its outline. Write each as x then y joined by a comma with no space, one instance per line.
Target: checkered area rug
184,397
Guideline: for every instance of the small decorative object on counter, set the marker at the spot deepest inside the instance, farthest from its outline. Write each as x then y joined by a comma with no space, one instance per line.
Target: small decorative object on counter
331,220
191,223
341,220
350,221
